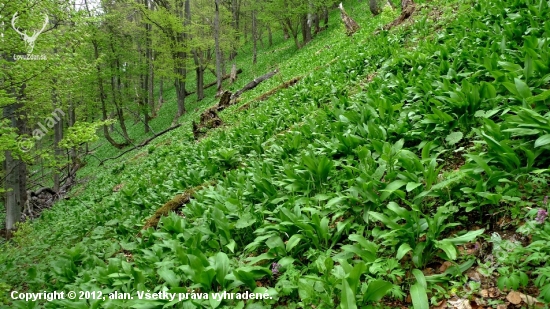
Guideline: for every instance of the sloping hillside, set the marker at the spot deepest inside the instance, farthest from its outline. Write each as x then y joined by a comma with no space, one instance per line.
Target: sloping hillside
395,173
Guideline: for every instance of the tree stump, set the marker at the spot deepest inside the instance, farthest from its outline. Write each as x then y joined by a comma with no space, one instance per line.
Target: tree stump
351,25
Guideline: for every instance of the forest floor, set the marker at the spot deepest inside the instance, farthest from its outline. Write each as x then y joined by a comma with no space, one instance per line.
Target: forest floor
399,168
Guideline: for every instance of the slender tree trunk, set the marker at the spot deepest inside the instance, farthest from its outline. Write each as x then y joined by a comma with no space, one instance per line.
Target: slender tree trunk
219,73
235,13
293,31
71,121
306,30
102,98
117,100
254,37
16,170
161,93
149,63
179,58
269,35
199,70
285,31
374,7
58,136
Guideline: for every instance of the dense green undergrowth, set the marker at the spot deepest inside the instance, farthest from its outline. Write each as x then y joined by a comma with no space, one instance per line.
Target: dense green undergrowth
341,191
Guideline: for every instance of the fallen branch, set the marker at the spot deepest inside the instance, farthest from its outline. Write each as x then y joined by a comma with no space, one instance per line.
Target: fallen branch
210,119
408,8
144,143
253,84
174,204
271,92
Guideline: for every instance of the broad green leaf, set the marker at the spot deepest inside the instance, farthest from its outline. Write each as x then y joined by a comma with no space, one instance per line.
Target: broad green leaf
348,296
169,276
355,275
419,297
293,241
231,246
365,244
245,221
376,290
542,140
420,278
454,138
382,218
412,185
392,187
403,249
222,267
468,237
522,88
539,97
214,302
448,248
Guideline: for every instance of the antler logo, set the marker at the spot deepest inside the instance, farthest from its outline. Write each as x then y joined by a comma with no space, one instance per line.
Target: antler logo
29,40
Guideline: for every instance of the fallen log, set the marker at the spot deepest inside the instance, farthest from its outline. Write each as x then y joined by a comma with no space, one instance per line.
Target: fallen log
210,119
408,8
253,84
271,92
177,202
144,143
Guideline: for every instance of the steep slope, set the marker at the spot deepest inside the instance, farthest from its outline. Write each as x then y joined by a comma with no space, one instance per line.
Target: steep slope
346,188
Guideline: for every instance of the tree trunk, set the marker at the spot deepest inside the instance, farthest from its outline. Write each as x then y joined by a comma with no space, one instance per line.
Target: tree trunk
235,13
293,31
199,71
325,17
219,73
285,31
233,75
269,35
102,98
306,30
15,182
117,100
374,7
161,93
180,65
351,25
58,136
254,37
180,94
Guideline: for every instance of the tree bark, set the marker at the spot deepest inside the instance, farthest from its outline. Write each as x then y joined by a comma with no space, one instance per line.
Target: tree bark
253,84
58,136
254,37
16,170
351,25
219,73
306,30
102,98
374,7
269,35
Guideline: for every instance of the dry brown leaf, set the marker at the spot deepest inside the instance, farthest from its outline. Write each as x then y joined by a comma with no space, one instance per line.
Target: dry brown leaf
514,297
441,305
529,300
460,304
474,275
444,266
484,293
